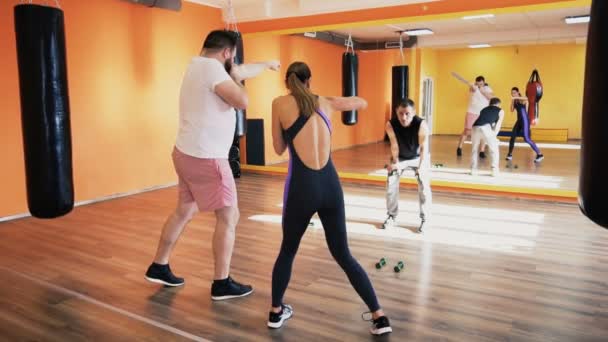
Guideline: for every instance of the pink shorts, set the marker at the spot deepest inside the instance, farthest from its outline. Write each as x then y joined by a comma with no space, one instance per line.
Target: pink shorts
469,120
208,182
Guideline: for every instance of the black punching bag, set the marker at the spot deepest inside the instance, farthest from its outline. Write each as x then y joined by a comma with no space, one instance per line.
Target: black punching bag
350,70
399,86
593,183
234,155
241,114
45,110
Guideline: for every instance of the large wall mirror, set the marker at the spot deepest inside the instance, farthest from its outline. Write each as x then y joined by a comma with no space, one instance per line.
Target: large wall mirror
504,48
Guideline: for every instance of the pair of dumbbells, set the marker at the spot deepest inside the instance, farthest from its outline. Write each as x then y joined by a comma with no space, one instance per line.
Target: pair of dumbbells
398,268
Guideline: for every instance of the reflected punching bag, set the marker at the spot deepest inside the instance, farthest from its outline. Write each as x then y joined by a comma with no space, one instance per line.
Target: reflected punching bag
534,92
350,70
45,110
399,90
399,87
593,181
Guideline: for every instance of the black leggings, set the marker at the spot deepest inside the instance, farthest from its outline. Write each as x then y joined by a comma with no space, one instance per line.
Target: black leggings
308,192
522,126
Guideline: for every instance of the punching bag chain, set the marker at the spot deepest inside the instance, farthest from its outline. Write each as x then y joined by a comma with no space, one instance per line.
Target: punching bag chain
349,44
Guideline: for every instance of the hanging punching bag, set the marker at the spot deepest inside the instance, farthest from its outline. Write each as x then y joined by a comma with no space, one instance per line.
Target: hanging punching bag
534,92
241,114
350,70
399,87
593,184
234,155
45,110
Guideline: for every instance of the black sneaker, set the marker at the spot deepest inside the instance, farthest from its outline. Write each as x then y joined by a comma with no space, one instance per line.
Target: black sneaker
459,152
161,274
482,155
539,158
380,325
228,288
421,228
276,320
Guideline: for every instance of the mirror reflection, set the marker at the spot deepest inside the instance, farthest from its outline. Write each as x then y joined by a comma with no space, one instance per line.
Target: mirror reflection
450,70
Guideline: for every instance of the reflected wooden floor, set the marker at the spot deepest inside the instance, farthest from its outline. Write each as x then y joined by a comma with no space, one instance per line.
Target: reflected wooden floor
560,168
490,269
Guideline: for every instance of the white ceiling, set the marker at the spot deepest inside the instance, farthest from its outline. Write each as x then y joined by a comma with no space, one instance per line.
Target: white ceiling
504,29
251,10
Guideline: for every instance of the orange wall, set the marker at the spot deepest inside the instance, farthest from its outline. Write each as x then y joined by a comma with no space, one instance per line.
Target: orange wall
264,88
325,61
374,86
125,64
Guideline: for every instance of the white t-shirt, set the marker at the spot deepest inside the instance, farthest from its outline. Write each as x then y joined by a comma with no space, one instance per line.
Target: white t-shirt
477,101
206,122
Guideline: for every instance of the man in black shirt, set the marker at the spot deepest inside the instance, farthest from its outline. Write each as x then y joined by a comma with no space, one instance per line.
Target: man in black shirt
486,128
408,135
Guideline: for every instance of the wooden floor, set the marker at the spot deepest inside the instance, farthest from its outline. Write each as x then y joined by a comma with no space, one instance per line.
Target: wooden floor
489,270
560,168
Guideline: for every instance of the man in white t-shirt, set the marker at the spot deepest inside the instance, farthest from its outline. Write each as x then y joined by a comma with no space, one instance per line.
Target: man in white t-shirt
210,91
481,93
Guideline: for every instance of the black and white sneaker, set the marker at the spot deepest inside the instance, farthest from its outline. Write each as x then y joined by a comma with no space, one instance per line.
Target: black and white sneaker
228,288
161,274
389,223
539,158
509,157
380,325
276,320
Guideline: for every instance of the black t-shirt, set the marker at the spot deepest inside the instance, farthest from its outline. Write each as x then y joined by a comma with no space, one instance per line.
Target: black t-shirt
407,138
488,115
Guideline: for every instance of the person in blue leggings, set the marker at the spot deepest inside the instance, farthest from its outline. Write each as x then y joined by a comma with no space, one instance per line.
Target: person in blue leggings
299,123
522,125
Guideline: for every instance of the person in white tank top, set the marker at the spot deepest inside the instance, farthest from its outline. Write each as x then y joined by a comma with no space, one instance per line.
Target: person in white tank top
480,95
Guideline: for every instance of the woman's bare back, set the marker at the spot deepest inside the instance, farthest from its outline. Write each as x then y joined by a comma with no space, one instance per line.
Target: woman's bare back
313,142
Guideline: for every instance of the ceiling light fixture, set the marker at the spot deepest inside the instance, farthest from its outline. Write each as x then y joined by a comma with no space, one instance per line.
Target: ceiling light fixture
478,16
418,32
581,19
479,46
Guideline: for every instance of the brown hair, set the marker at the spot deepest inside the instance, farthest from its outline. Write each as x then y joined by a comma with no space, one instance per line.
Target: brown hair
297,75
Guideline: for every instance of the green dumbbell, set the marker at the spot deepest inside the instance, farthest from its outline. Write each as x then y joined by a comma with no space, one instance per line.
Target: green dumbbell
399,266
381,263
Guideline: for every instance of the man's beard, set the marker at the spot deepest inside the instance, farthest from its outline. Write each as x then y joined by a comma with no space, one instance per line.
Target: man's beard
228,65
